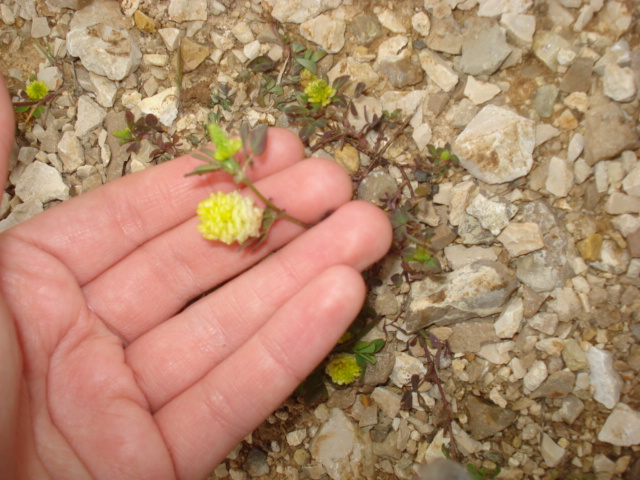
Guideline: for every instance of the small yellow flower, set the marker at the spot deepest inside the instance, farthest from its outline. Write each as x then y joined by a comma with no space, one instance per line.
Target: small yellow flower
229,218
319,91
343,368
37,90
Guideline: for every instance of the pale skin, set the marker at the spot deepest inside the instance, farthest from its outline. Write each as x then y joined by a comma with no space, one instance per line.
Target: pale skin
104,374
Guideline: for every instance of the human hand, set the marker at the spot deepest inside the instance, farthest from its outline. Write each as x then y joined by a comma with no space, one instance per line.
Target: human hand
106,374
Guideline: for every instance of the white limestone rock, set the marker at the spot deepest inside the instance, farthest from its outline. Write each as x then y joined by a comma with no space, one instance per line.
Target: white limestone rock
497,145
404,368
631,182
508,323
560,178
438,70
619,83
551,452
90,116
480,92
171,37
41,182
70,152
163,105
537,374
105,50
421,23
493,214
520,28
622,427
521,238
326,31
299,11
187,10
497,353
606,382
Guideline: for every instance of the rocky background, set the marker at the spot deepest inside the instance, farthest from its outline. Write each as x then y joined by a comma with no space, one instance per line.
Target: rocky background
537,231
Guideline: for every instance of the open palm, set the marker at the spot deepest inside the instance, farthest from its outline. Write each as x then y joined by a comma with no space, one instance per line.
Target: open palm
106,374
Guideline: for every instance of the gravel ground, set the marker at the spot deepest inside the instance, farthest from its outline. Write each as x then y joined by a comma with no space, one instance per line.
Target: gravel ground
536,231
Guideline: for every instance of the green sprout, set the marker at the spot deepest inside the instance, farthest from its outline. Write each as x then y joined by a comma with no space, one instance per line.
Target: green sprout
227,217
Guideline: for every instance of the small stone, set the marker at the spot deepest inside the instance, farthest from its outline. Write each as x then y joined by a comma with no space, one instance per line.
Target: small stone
358,72
484,51
299,11
193,54
551,452
480,92
550,346
421,23
508,323
325,31
459,199
560,179
70,152
476,290
405,367
42,183
243,32
349,158
521,238
574,357
535,376
578,76
494,215
104,50
604,379
545,100
170,37
256,463
497,145
396,61
163,105
619,203
389,20
520,28
458,255
619,83
6,13
486,419
544,322
557,385
589,248
546,46
387,401
613,258
90,116
497,353
622,427
21,213
366,28
631,183
187,10
40,27
607,132
446,36
377,186
144,22
571,409
337,446
296,437
438,71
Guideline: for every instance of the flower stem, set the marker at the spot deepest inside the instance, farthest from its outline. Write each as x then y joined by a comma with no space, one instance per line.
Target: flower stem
281,213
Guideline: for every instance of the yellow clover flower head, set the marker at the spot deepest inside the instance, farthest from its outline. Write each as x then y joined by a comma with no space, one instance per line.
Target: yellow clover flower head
306,77
343,368
226,148
229,218
319,91
37,90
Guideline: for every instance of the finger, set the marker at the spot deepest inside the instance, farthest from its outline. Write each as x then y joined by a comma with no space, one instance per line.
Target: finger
7,127
92,232
159,278
204,423
176,354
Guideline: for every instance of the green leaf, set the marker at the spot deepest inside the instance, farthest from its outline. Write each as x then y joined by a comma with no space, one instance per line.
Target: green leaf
22,108
297,47
339,82
317,56
124,135
202,168
258,139
308,64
